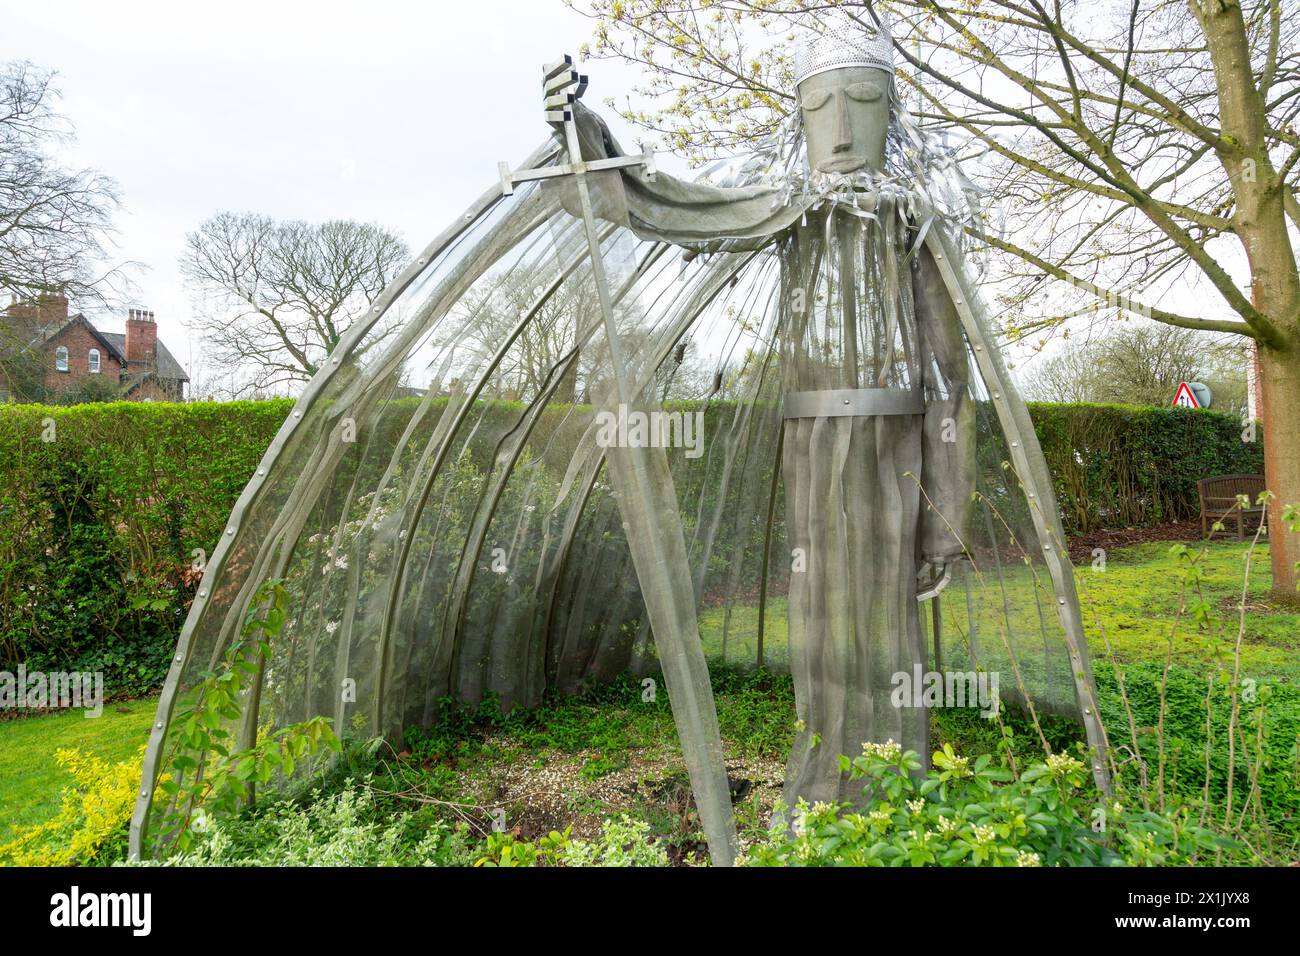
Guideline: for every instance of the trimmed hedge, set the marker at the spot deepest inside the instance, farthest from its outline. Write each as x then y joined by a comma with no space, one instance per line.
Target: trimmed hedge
1123,466
98,525
100,508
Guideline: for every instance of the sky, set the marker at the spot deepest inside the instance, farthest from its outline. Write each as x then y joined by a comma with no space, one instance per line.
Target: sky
395,113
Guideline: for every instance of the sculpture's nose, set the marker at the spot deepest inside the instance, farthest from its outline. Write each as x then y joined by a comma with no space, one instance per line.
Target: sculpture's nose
843,129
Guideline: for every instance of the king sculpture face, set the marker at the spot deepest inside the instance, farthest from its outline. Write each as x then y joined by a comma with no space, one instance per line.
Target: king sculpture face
845,116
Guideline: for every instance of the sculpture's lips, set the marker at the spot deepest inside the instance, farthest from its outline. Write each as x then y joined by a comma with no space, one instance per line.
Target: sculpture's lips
842,164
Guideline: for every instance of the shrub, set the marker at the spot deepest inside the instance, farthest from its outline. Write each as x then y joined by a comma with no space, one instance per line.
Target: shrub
339,829
1136,466
968,812
212,771
101,510
102,528
623,841
91,825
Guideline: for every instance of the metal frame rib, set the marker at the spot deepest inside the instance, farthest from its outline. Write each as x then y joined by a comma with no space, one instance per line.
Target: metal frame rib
1025,452
171,687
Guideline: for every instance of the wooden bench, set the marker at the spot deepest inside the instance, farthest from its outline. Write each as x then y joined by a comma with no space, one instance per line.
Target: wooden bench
1219,500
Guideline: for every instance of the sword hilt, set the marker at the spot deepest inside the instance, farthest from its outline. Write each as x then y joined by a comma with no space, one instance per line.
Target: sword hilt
562,86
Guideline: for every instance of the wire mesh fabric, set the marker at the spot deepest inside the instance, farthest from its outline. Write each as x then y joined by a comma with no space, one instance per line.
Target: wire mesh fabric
455,511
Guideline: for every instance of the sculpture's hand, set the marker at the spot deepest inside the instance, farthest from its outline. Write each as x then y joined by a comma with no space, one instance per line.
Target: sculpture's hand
941,574
562,86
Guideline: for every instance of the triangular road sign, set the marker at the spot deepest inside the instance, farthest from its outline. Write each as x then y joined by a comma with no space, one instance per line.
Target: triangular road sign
1185,398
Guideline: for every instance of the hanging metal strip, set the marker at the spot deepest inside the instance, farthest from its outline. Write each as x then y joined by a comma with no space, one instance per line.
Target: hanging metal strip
840,402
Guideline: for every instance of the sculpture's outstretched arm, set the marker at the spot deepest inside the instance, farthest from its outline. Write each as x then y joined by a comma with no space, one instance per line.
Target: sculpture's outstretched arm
695,215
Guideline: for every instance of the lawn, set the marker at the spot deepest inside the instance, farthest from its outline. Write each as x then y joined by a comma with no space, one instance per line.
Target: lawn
576,762
30,780
1131,602
1135,601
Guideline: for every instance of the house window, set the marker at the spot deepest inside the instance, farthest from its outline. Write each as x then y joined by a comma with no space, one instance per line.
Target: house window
61,358
92,361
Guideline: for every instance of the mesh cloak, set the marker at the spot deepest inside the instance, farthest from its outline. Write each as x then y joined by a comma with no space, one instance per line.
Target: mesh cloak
441,511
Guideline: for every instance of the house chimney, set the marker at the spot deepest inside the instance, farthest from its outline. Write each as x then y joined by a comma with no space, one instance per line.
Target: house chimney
45,312
141,337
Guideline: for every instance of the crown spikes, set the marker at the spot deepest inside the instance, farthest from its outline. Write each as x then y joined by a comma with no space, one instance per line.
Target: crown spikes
845,43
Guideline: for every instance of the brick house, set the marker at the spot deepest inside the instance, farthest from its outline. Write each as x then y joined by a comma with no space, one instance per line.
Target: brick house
48,351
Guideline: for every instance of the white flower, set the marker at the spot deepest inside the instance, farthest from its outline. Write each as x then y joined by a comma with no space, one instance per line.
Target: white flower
1025,858
331,627
916,806
889,751
1062,765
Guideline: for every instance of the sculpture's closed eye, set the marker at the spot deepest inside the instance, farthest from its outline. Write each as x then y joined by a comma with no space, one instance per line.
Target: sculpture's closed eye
816,100
864,92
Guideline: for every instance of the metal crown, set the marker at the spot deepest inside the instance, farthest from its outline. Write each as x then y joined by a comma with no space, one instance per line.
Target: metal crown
845,42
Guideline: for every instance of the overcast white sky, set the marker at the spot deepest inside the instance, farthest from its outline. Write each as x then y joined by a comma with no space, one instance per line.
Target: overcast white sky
394,112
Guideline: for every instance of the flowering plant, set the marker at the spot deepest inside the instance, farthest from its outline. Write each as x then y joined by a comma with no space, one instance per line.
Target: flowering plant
968,812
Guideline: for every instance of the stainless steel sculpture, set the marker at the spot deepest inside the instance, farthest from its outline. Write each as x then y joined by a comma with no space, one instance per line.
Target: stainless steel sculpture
450,519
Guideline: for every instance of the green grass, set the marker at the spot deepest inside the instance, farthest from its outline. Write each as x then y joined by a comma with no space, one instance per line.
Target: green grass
733,635
1134,600
31,781
1132,603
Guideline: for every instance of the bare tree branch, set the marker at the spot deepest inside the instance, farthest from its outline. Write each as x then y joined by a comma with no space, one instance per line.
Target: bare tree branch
274,298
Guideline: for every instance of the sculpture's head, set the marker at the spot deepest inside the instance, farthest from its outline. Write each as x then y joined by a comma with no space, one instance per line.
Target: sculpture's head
845,114
843,78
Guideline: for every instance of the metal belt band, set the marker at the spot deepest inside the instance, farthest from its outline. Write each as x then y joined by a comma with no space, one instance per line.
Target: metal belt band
836,402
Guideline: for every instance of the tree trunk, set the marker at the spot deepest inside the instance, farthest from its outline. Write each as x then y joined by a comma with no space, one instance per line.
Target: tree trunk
566,393
1275,289
1261,226
1280,402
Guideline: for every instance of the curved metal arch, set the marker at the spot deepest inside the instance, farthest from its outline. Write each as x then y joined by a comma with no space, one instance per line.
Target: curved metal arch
138,830
474,542
1027,458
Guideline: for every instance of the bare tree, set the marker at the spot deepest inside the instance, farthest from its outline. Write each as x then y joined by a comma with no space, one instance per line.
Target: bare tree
274,298
489,316
1072,374
1141,364
54,221
1145,152
558,347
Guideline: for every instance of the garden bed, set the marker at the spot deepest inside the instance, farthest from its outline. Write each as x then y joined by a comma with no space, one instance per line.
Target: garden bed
577,763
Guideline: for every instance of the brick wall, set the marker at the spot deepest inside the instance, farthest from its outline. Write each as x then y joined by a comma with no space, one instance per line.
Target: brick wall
79,342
